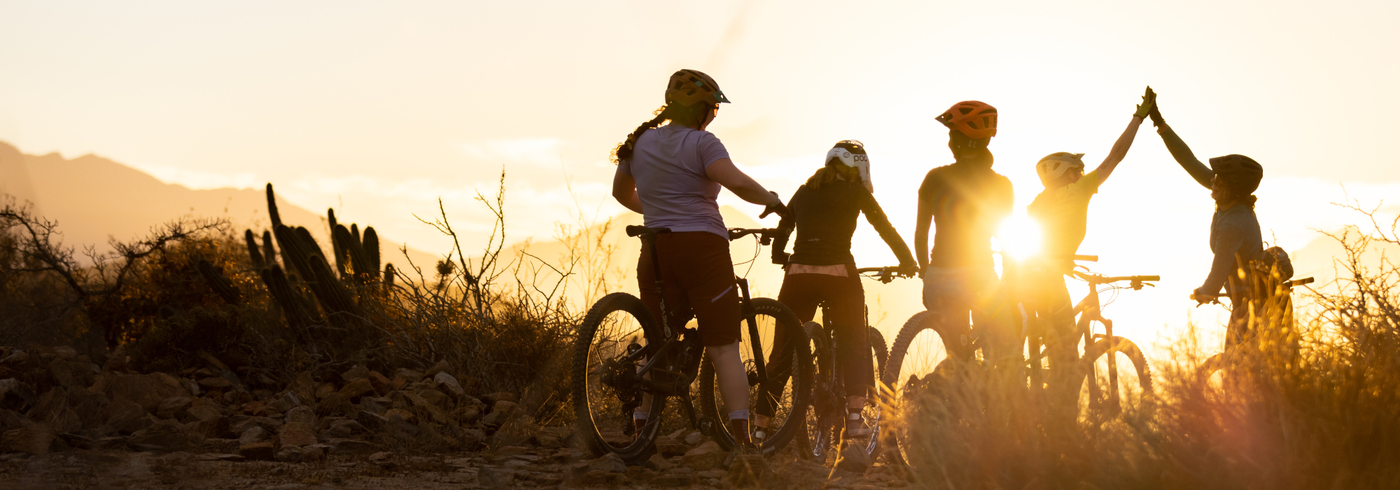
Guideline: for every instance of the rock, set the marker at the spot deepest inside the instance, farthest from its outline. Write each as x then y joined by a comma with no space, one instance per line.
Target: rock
441,366
401,415
303,415
259,451
304,387
351,446
204,411
62,373
435,397
449,384
163,436
173,407
748,470
669,446
296,434
7,385
218,446
380,457
33,439
371,421
658,462
356,388
345,428
704,457
221,457
381,384
854,460
672,479
65,352
354,373
216,383
428,409
124,416
325,390
408,375
466,415
52,411
693,438
253,435
501,411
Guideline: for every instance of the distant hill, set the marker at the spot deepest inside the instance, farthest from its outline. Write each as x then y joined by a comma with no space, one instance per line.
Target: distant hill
93,198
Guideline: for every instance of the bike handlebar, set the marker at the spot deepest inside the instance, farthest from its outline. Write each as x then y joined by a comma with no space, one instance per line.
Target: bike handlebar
765,235
883,274
1216,299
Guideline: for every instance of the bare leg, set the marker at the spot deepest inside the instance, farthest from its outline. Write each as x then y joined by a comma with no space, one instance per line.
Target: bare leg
733,381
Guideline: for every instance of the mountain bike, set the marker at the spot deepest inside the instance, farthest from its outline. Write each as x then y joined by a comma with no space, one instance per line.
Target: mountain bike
623,353
826,421
1272,340
929,345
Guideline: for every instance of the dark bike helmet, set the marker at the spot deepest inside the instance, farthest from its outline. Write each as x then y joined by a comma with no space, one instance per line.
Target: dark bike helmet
1238,172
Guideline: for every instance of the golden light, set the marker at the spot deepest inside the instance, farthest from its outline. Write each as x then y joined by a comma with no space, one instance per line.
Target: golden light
1019,236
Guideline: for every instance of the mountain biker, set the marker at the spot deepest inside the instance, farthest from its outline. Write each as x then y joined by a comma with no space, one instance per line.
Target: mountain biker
822,269
1235,238
671,175
966,201
1062,212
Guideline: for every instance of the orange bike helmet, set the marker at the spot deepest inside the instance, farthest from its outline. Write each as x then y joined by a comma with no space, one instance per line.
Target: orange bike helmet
688,87
976,120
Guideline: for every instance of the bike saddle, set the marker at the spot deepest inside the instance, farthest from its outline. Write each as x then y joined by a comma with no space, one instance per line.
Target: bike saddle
638,230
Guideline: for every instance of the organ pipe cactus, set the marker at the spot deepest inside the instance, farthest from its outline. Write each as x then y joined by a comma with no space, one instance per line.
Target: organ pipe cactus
253,252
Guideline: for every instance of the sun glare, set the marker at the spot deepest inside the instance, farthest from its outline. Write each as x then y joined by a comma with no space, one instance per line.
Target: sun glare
1019,236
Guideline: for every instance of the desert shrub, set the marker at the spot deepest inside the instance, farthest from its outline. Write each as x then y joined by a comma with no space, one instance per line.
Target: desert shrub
1320,415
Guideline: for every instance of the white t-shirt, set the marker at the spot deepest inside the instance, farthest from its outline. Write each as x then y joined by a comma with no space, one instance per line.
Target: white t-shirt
668,163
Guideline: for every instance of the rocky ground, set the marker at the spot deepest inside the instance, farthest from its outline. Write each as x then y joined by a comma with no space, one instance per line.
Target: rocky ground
66,422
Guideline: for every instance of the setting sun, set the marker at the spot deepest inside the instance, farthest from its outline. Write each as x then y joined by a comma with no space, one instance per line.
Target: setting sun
1019,236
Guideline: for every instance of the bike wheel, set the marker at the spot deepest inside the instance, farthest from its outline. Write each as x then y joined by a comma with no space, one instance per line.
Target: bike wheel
920,350
821,429
873,411
602,386
1100,397
793,368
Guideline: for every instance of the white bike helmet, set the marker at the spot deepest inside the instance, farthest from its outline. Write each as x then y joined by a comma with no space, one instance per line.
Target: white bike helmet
851,153
1055,165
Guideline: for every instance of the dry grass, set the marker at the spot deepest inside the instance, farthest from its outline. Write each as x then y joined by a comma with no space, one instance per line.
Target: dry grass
1319,415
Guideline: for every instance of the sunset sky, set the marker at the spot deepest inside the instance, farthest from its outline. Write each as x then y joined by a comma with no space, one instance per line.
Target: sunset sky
378,109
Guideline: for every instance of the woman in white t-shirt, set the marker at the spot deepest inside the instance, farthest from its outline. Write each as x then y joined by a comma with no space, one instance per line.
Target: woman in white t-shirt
671,175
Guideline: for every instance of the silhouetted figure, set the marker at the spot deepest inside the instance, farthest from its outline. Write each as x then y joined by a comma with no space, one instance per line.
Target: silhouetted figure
1234,230
1062,210
966,201
822,269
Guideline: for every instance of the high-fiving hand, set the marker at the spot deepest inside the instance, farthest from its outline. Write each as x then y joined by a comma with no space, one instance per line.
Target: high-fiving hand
1148,105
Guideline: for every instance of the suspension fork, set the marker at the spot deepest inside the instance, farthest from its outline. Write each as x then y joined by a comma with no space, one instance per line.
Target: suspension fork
759,363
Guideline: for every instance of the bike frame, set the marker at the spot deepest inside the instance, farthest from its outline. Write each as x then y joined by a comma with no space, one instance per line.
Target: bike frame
673,338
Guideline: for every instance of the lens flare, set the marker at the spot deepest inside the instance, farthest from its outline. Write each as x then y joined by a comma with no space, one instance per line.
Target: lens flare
1019,236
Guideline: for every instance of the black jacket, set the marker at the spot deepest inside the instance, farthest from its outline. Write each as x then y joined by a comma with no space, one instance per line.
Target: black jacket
825,219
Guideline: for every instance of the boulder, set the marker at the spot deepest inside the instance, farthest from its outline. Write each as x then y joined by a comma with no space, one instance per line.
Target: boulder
163,436
706,456
351,446
144,390
296,434
382,385
370,420
466,414
501,411
214,383
440,367
435,397
345,428
355,373
253,435
749,470
356,388
32,439
173,407
124,416
303,415
258,451
659,463
448,383
855,460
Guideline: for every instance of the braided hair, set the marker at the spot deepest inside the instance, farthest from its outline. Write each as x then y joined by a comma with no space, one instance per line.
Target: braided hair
687,115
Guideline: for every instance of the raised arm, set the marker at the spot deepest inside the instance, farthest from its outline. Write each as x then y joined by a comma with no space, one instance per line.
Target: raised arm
876,216
1120,149
1180,151
625,189
738,182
